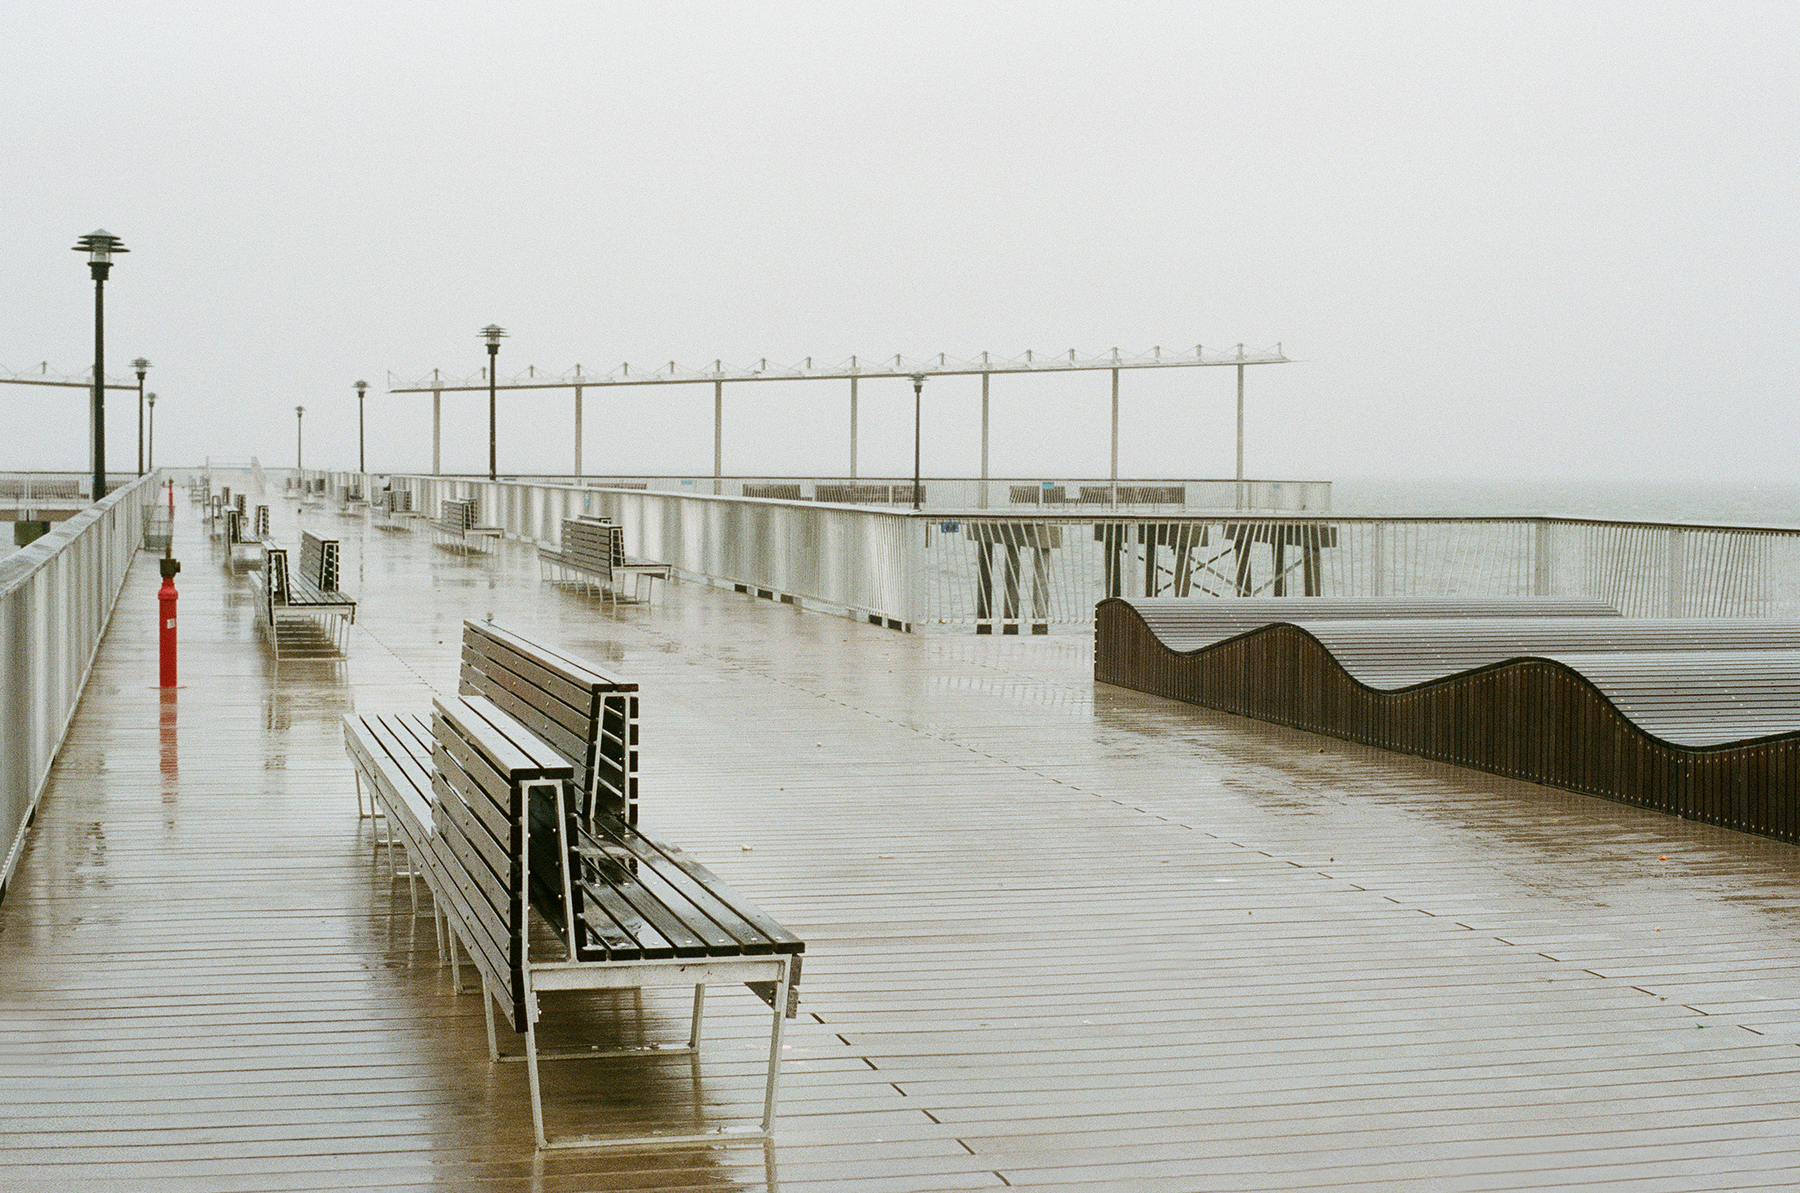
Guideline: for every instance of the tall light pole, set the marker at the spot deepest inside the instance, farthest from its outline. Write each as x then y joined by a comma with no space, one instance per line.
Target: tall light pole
299,414
360,387
150,452
493,334
918,380
100,246
140,364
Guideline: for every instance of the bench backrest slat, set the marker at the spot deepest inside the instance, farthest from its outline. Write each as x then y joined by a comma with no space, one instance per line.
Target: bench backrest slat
275,575
501,809
319,561
590,717
595,546
457,513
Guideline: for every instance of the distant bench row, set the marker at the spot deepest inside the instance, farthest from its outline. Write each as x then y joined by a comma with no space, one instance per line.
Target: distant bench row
519,797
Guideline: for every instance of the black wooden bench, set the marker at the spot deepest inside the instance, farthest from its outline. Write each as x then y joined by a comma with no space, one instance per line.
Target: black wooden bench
219,508
389,505
307,593
456,525
593,552
495,822
246,537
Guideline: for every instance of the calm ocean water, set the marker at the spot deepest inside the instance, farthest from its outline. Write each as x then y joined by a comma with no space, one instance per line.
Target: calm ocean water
1636,501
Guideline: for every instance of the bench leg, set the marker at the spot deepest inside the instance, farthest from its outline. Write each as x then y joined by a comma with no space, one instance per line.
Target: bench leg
699,1010
487,1010
780,1019
531,1071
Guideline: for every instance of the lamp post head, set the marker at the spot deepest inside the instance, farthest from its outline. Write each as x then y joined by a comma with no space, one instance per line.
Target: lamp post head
100,245
299,410
918,380
360,387
493,334
150,398
141,365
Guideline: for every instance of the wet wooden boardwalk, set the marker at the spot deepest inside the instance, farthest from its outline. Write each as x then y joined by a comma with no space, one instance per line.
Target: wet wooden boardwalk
1060,936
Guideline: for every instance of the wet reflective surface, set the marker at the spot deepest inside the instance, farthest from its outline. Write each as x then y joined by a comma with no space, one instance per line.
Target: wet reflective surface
1059,935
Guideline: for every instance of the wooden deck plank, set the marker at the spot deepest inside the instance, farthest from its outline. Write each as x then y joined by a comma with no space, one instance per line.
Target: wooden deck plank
1059,935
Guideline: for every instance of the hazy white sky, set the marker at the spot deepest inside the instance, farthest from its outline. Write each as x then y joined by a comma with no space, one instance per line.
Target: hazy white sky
1510,240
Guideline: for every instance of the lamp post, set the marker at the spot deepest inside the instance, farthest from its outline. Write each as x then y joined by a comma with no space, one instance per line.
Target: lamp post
361,386
918,380
299,414
150,451
100,246
140,364
492,333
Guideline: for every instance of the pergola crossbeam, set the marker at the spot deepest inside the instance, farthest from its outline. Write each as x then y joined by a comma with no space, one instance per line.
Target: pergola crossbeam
855,369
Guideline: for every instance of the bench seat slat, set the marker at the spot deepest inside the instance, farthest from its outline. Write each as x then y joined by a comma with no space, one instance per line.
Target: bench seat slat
737,926
664,893
655,902
618,932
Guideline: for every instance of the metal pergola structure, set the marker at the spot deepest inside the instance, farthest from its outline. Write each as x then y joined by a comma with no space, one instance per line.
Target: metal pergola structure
854,371
43,376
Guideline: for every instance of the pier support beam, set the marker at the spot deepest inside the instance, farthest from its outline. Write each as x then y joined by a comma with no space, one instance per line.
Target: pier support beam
1240,432
1114,490
984,440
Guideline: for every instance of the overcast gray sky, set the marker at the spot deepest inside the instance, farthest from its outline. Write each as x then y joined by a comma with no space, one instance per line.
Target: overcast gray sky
1504,240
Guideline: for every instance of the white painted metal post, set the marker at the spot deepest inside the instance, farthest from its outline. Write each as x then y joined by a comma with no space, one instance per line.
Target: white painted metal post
1540,557
984,440
852,428
437,430
1675,573
718,436
1378,561
1115,437
578,430
1240,431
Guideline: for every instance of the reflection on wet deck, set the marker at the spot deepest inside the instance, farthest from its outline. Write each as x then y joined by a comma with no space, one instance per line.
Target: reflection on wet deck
1059,936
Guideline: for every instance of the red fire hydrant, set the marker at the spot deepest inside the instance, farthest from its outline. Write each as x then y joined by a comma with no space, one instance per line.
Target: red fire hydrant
166,597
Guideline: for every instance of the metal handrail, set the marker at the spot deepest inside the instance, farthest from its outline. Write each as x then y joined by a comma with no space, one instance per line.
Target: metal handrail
56,597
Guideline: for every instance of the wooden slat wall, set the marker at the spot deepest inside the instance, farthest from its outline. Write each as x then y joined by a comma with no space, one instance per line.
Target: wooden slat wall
1538,719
